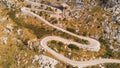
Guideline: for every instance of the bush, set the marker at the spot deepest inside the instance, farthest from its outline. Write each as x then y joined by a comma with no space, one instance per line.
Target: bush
73,47
71,30
103,41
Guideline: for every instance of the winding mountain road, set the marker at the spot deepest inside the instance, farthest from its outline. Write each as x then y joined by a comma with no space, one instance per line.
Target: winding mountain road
39,4
93,46
79,64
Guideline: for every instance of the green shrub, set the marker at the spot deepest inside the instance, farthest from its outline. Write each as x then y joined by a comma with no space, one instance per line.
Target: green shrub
73,47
